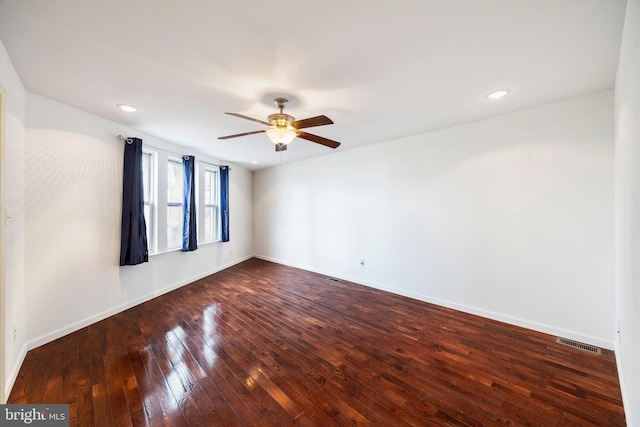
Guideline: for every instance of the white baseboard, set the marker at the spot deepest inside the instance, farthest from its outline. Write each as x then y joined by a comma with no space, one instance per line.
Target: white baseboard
539,327
626,403
13,375
60,332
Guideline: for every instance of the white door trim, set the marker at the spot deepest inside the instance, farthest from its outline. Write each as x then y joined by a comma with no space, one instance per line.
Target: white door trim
2,275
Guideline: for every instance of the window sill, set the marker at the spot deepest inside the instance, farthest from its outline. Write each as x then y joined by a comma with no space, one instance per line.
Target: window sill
165,252
180,249
209,243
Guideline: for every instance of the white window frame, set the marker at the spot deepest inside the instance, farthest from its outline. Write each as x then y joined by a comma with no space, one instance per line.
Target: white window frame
150,199
176,161
208,168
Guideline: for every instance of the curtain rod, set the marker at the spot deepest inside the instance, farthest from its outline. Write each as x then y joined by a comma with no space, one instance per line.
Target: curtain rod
206,163
130,141
127,140
212,164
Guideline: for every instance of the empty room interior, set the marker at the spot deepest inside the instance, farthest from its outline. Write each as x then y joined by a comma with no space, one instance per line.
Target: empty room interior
321,213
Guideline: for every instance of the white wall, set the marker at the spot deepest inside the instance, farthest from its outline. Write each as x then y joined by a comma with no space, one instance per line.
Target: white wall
511,217
627,109
73,198
14,162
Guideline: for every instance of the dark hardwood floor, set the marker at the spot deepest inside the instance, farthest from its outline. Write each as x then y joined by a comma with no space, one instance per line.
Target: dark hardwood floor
263,344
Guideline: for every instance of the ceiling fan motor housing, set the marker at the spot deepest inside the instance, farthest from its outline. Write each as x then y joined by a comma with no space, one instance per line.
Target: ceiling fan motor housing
281,120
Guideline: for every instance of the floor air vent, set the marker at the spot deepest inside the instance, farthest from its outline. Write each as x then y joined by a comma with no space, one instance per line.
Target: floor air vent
333,279
586,347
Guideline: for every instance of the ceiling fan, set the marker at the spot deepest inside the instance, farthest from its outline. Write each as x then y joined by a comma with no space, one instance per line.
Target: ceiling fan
284,128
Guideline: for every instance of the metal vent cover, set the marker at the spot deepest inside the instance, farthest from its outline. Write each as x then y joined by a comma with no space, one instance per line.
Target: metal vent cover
582,346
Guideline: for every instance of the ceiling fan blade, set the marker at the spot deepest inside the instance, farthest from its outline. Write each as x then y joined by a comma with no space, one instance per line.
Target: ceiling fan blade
241,134
311,122
248,118
319,139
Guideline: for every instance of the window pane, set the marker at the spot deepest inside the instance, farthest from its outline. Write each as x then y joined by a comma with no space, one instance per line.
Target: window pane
174,226
210,205
215,221
208,224
148,179
147,221
175,181
209,187
146,176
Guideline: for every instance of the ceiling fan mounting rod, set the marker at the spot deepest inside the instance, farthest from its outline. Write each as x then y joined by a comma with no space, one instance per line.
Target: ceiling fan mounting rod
281,103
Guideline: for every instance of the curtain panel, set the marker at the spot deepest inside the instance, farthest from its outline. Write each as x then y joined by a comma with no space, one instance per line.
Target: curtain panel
189,228
224,202
133,238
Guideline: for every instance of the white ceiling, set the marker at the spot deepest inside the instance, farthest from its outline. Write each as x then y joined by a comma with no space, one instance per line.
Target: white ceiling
379,69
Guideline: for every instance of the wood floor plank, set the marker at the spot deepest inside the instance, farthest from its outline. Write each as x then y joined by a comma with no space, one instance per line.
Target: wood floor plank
130,386
153,411
239,398
84,397
261,344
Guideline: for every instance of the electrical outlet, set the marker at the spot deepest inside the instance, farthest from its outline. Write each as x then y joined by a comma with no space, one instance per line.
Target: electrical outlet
15,333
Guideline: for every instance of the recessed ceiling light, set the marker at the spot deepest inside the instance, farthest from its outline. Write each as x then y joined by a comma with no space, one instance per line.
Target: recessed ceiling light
497,94
255,162
127,108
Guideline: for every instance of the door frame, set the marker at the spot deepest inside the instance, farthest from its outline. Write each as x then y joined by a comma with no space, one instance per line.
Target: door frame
3,213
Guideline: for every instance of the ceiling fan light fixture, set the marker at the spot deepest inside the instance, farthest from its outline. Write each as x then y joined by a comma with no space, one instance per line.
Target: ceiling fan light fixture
281,135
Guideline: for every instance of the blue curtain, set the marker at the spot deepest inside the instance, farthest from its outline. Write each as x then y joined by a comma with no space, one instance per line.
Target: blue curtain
133,237
224,202
189,233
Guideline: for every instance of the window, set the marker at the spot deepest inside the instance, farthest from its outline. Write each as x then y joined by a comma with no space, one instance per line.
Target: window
175,182
164,227
211,208
149,199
